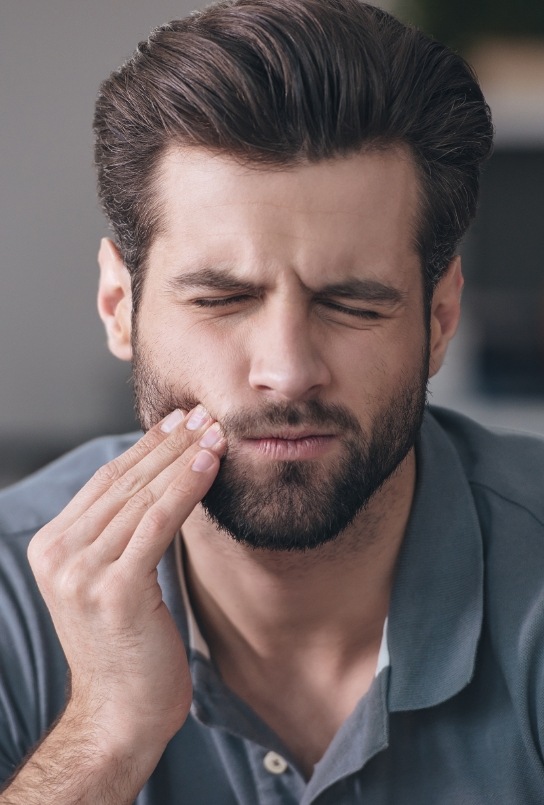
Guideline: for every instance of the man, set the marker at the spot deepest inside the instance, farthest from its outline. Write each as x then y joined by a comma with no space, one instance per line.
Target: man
300,586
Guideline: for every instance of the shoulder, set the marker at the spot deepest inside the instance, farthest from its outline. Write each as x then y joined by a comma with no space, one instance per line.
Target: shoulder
31,503
505,474
32,664
502,465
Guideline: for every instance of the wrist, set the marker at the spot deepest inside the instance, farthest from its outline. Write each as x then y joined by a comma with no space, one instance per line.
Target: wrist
114,739
84,760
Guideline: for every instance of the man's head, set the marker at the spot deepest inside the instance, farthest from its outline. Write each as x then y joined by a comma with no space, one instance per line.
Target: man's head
283,82
277,175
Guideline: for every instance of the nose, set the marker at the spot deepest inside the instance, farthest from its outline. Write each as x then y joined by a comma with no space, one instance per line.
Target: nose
287,360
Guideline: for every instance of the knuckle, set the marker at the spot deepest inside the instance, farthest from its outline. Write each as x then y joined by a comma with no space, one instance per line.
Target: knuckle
71,585
44,554
149,442
115,471
144,499
157,518
33,551
138,504
108,474
181,487
127,485
141,449
77,586
178,441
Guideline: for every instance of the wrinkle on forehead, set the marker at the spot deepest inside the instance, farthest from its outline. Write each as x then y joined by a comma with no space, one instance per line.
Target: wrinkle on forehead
216,210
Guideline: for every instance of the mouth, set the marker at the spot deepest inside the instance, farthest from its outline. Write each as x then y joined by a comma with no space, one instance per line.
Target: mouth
291,445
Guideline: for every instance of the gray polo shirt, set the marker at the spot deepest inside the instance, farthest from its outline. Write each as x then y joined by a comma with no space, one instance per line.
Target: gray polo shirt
455,714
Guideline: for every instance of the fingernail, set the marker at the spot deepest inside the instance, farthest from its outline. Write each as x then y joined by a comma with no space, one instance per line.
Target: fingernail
203,461
197,418
212,436
173,419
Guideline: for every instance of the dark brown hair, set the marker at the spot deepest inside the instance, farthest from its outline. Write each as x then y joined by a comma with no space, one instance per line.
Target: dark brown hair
280,82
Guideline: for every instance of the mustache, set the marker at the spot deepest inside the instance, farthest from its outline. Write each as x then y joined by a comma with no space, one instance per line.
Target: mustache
242,424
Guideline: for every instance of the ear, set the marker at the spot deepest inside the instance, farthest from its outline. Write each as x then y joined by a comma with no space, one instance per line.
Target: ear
445,313
115,299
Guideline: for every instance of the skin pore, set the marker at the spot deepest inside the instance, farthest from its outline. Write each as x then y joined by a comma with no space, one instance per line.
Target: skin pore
270,295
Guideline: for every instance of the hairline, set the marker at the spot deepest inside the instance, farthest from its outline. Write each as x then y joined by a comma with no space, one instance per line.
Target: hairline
260,162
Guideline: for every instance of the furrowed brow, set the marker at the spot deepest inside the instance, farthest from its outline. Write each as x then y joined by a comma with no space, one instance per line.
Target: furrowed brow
365,291
210,279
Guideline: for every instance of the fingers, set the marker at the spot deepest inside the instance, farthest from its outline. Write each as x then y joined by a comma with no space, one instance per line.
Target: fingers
136,482
158,526
121,479
143,482
145,526
122,474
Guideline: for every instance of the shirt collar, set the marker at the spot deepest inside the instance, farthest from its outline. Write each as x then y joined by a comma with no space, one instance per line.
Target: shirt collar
435,616
195,640
436,609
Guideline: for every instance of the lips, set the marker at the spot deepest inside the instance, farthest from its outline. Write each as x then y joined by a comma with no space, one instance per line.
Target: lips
304,445
290,435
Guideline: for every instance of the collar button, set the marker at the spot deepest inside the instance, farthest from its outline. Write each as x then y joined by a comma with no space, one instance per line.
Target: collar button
274,763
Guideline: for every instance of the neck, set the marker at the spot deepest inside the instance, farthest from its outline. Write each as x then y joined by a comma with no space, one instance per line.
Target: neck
330,601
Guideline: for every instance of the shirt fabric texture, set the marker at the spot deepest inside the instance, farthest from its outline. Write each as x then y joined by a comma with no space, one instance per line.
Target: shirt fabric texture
455,714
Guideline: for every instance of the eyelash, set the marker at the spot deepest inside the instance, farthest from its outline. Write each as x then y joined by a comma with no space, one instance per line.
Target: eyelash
224,301
352,311
220,301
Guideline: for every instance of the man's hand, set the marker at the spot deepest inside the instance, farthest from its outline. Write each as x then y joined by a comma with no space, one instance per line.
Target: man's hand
96,566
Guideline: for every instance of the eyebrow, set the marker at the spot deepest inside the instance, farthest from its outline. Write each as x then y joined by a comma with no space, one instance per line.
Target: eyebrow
365,290
211,279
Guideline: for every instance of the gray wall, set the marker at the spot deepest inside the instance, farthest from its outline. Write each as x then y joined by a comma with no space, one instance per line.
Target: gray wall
58,384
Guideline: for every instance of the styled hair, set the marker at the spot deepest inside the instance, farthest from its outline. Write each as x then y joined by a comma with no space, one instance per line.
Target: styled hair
278,83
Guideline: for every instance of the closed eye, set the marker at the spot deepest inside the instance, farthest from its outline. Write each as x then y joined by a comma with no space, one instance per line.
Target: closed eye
225,301
361,313
221,301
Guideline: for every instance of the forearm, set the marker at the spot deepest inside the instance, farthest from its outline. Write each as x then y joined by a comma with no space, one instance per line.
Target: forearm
96,567
77,764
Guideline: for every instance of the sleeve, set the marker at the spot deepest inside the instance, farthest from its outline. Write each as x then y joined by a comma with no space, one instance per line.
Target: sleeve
33,669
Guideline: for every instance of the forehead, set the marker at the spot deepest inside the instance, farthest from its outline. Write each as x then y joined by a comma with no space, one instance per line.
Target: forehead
350,214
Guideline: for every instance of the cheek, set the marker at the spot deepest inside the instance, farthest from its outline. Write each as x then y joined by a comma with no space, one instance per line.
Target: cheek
374,368
208,363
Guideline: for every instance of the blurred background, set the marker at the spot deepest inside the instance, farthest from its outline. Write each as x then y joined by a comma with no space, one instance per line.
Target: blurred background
58,384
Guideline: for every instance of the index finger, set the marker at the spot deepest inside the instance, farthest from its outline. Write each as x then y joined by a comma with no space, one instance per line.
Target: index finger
107,475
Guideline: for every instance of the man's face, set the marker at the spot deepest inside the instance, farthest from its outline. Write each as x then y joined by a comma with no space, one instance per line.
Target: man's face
290,304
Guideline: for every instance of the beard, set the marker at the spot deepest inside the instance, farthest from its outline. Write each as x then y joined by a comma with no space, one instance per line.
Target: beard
294,505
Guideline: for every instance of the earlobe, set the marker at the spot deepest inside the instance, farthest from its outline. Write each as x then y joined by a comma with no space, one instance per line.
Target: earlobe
115,299
445,313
